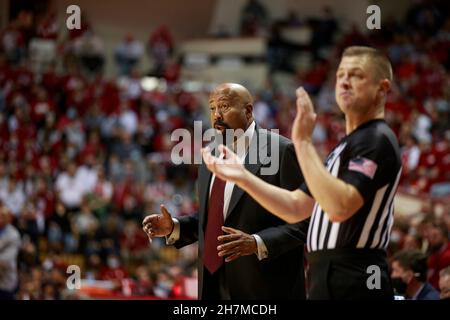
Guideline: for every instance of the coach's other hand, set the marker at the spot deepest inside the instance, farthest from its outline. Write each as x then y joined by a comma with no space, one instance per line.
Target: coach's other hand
159,224
235,244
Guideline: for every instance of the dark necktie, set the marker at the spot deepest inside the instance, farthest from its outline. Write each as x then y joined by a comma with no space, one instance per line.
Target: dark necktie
214,225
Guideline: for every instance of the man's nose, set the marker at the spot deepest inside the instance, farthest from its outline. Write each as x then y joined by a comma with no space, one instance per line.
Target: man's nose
218,113
344,83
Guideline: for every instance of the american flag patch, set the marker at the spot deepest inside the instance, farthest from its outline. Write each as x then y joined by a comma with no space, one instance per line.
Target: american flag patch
363,165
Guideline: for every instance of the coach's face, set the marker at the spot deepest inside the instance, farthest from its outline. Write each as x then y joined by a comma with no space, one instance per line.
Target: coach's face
229,109
357,89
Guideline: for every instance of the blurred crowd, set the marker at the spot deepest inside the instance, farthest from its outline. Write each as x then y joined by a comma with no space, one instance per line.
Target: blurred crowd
84,158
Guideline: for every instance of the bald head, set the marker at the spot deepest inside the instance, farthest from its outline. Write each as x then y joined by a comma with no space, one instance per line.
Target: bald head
235,92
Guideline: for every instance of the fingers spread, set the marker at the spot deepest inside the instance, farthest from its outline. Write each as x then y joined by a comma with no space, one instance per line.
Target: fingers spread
229,252
228,246
148,232
230,230
149,219
228,237
233,257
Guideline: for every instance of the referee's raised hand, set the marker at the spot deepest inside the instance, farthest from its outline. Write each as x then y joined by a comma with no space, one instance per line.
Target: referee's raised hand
305,120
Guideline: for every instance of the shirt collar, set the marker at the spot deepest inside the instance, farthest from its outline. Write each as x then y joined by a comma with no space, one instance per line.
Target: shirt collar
245,138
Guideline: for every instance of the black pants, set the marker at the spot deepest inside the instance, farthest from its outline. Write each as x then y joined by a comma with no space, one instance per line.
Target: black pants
349,274
215,286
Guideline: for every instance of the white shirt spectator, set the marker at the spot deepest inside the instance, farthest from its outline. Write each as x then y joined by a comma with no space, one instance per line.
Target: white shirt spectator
88,176
71,189
130,49
412,155
422,128
14,200
9,249
134,88
129,121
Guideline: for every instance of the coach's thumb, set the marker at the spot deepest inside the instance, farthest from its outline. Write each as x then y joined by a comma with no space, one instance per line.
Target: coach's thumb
165,213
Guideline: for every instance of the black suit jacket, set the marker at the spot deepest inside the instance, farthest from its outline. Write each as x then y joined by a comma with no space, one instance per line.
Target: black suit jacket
281,275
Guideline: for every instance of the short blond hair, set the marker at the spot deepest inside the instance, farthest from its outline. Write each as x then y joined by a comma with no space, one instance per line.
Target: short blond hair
380,62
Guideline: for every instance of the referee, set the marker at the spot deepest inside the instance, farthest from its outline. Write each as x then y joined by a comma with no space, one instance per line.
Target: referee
352,193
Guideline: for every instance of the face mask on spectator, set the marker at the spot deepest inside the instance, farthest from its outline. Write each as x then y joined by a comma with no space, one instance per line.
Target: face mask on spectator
399,285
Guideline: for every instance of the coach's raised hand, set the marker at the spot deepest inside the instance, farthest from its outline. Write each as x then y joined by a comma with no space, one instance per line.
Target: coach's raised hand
159,224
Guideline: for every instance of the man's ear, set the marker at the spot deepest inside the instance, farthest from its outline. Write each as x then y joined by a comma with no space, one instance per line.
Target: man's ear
249,110
385,87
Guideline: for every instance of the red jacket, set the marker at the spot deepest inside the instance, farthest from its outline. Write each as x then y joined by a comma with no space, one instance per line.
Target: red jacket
436,262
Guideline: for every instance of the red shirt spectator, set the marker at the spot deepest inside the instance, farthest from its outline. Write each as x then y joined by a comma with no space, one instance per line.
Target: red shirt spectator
41,106
440,248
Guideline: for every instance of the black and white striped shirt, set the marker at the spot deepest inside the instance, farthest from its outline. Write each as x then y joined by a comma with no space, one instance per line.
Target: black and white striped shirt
369,159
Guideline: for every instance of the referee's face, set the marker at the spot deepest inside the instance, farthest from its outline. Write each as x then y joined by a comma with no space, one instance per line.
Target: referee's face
356,86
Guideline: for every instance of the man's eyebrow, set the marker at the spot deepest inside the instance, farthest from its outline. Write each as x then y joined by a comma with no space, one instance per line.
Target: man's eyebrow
222,100
351,69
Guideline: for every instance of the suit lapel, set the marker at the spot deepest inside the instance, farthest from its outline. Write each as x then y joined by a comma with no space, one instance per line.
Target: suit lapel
204,176
257,147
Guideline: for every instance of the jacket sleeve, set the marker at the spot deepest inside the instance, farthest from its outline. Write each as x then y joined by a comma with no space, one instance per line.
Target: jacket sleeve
188,230
285,237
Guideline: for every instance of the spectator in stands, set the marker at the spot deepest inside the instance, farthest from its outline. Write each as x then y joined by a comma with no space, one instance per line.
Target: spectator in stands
128,54
90,51
13,196
409,274
114,271
41,106
323,32
101,195
84,226
125,147
444,283
163,285
128,119
144,282
70,187
133,242
410,155
47,27
29,222
254,19
9,249
160,48
280,50
12,43
412,242
439,247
